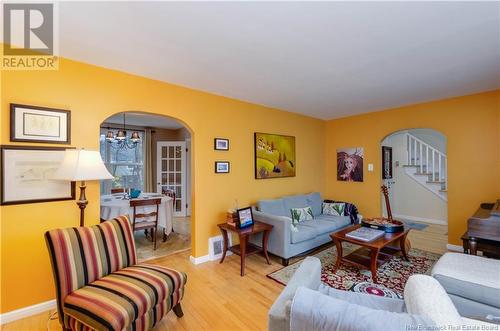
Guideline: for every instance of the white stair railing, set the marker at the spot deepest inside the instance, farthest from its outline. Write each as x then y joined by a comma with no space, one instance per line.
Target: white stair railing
427,159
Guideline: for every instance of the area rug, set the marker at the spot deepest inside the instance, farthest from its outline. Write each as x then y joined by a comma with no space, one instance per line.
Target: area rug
392,275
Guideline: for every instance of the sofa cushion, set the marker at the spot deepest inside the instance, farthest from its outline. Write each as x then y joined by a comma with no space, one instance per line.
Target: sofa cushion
115,301
294,201
478,282
301,214
323,227
362,299
274,207
303,233
314,200
340,221
312,310
142,323
424,295
333,208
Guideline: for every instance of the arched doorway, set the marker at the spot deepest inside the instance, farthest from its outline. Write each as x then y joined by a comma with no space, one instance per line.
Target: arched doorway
149,153
414,168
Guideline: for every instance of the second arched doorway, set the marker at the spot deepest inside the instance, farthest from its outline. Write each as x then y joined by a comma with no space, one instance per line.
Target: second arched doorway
414,168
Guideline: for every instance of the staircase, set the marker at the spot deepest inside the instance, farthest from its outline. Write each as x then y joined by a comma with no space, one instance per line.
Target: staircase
427,166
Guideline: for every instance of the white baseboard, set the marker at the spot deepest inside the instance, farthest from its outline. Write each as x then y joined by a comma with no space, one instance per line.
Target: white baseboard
21,313
419,219
200,259
211,256
455,248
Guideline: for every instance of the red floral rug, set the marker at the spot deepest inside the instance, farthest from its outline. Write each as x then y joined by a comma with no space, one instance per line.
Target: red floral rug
392,275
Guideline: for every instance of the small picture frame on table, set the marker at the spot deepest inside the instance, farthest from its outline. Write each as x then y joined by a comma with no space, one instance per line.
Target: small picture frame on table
222,167
221,144
39,124
245,217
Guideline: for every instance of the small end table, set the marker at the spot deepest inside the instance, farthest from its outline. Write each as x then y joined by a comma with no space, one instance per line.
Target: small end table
245,248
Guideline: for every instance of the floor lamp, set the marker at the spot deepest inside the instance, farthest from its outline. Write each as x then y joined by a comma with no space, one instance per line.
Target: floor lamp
82,165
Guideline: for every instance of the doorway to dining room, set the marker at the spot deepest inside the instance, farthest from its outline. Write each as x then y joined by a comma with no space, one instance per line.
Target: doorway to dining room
149,157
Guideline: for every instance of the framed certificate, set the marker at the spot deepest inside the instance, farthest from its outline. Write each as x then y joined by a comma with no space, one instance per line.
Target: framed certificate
26,175
39,124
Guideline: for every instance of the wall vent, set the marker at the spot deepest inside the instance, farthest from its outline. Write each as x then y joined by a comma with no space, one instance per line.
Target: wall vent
215,246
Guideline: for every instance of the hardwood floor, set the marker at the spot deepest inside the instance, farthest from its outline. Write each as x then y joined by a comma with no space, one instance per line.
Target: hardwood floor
177,241
433,238
217,298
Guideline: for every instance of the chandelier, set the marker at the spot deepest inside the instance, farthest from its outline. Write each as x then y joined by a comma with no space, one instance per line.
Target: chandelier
120,139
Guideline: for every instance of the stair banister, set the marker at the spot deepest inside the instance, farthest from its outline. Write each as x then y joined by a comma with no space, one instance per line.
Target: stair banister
432,160
421,160
428,159
414,151
439,167
433,172
408,149
445,173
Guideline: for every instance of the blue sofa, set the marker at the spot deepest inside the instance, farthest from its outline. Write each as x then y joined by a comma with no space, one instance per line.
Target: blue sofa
286,243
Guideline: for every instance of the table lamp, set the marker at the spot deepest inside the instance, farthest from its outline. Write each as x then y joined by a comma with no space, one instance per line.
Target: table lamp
82,165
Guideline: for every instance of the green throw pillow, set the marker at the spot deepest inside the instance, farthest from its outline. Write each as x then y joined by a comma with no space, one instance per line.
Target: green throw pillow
301,214
333,208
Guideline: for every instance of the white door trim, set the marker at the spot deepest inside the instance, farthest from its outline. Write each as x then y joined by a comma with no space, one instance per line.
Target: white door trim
159,146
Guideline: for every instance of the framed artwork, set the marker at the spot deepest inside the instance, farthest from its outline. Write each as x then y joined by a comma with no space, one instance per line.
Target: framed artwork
221,144
26,175
350,164
39,124
245,217
386,162
222,167
274,156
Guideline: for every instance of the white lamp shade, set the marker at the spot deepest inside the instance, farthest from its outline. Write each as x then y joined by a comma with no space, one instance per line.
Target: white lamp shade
80,164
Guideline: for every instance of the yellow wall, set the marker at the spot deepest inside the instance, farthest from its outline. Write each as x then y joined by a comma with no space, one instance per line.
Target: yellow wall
93,94
471,125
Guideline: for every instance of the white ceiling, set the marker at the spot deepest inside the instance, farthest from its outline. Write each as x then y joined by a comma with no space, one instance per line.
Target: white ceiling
322,59
145,120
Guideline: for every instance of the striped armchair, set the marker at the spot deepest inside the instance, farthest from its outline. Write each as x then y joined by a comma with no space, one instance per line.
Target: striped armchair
100,286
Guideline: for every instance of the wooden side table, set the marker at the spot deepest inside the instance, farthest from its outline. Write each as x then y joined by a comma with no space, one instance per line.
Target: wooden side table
245,248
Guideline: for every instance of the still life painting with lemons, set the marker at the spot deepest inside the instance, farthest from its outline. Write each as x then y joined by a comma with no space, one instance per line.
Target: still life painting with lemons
274,156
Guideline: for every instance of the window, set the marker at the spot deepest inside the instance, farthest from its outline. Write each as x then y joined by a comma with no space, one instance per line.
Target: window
126,165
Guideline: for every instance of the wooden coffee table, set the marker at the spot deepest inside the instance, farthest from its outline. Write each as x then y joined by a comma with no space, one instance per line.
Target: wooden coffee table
371,254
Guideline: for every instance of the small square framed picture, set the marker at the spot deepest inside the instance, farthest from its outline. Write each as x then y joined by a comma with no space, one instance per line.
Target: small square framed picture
245,217
221,144
222,167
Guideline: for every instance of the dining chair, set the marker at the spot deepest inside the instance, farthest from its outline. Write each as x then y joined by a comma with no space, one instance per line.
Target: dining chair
168,193
147,223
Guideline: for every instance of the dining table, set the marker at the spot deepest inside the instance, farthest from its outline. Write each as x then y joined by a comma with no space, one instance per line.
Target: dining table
118,204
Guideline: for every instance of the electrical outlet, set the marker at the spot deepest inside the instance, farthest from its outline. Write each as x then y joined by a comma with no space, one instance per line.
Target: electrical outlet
370,167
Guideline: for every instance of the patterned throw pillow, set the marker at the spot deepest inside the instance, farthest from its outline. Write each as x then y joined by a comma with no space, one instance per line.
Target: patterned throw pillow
301,214
334,209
